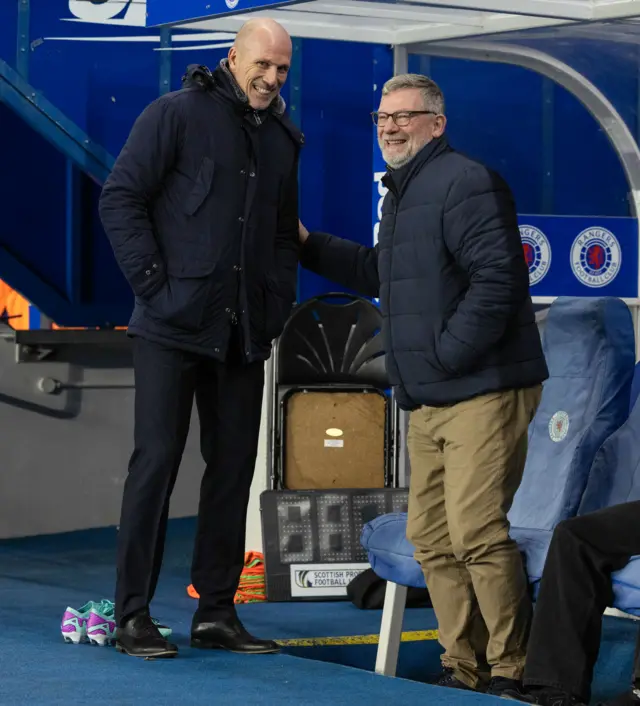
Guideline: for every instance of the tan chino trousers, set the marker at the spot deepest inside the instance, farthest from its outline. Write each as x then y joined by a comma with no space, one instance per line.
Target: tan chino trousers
467,462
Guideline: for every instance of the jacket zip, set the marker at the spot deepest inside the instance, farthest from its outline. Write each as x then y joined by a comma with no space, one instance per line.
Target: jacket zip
392,188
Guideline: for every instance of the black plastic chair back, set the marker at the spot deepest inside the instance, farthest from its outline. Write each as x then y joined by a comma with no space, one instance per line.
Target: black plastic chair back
333,338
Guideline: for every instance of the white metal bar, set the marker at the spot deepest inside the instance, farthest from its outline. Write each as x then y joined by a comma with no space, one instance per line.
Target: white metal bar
272,412
615,9
400,60
392,23
388,23
435,26
310,26
552,9
614,612
630,302
492,24
403,462
395,13
395,598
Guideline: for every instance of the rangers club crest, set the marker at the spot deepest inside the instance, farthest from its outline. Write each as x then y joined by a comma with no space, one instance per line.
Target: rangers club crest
537,252
559,426
596,257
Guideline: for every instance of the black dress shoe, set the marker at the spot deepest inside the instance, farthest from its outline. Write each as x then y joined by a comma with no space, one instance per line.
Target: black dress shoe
447,680
139,637
542,697
229,634
501,685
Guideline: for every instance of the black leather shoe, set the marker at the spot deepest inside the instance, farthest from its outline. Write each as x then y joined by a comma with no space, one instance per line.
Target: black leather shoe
501,685
447,680
139,637
542,697
229,634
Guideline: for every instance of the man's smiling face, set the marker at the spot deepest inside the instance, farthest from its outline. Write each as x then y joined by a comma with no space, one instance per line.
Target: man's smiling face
260,61
399,145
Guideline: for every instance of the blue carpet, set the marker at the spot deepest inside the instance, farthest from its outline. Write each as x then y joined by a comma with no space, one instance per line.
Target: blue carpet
40,576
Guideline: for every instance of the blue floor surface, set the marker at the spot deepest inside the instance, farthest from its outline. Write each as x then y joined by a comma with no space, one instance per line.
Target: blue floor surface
40,576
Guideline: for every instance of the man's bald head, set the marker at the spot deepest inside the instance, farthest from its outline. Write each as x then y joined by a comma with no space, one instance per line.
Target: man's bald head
260,59
262,29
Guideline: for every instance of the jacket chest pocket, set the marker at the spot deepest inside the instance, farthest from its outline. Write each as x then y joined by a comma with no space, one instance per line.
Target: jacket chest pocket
201,188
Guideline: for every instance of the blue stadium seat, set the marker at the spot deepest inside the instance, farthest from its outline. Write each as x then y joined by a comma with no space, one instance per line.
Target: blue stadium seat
389,551
615,472
626,587
635,387
589,345
615,479
590,350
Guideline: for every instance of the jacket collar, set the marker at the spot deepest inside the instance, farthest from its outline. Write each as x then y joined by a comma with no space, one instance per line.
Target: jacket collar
397,180
224,83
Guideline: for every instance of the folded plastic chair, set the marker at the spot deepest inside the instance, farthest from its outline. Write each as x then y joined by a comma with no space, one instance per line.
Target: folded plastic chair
589,345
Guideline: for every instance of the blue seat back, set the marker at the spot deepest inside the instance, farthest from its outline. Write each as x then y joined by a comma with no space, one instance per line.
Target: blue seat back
635,387
615,473
589,346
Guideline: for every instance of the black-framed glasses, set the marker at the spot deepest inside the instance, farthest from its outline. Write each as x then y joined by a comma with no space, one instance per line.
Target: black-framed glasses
401,117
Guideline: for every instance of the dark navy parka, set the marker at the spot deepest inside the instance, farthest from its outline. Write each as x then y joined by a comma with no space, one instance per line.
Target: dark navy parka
201,210
450,272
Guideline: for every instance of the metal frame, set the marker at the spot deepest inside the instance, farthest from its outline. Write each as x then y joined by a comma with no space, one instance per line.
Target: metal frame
165,60
23,46
378,25
53,125
396,23
395,598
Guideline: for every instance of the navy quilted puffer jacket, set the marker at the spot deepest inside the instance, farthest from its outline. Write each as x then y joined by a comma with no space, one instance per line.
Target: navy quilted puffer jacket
450,272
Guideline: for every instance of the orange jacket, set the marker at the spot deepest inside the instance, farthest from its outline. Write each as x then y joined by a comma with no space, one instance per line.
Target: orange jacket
14,306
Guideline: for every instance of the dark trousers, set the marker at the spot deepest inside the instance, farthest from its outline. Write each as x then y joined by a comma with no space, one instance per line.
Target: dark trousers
574,592
229,402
